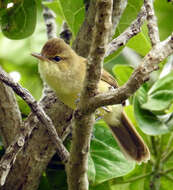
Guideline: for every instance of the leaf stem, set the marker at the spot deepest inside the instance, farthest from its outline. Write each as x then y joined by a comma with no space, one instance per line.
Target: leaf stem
135,178
167,156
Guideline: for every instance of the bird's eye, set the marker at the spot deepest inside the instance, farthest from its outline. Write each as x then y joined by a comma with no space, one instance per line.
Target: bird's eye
57,58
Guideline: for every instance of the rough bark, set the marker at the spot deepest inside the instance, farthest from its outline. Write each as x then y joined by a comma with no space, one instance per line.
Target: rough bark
39,149
10,118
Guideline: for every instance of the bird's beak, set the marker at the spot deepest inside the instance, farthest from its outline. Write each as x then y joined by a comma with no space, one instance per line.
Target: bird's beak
39,56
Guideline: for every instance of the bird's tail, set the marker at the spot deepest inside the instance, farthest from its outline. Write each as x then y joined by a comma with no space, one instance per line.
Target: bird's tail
130,142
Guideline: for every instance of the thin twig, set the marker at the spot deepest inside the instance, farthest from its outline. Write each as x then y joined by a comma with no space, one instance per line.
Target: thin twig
169,177
152,22
168,146
167,156
167,171
49,18
66,34
131,31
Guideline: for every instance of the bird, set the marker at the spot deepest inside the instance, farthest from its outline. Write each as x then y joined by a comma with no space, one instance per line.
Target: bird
64,72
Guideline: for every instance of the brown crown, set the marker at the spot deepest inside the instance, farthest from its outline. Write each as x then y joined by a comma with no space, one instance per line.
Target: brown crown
53,47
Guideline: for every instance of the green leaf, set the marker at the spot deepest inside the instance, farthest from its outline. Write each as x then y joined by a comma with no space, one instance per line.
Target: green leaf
19,21
108,160
140,43
71,11
160,96
91,170
165,83
164,15
55,6
134,185
122,73
102,186
148,122
159,101
114,55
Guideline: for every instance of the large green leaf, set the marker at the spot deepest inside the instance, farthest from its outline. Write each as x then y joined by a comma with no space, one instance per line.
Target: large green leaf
160,96
19,21
164,10
102,186
165,83
159,101
107,158
71,11
148,122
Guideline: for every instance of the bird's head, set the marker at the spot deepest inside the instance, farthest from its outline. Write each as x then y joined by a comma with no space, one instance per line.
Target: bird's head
57,51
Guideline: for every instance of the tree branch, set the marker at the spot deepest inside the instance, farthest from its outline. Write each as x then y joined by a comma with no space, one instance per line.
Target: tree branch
11,152
10,118
34,157
66,34
149,63
49,18
118,9
83,40
131,31
82,124
152,22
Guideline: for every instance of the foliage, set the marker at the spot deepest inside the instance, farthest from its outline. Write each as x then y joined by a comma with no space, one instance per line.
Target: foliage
150,109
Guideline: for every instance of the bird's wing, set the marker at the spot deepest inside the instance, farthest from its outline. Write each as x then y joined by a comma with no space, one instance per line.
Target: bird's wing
108,78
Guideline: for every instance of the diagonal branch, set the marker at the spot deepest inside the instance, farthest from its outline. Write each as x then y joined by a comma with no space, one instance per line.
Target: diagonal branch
152,22
141,74
38,150
131,31
12,151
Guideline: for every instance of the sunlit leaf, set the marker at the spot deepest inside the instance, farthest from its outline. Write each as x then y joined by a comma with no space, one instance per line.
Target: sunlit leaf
164,10
140,43
122,73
